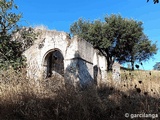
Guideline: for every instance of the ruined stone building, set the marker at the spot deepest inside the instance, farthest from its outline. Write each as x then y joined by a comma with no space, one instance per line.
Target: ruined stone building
55,53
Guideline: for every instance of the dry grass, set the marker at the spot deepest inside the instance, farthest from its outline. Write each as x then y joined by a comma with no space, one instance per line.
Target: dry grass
23,99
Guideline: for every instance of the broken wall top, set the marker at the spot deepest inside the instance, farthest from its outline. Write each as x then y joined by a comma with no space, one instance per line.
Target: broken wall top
49,40
84,49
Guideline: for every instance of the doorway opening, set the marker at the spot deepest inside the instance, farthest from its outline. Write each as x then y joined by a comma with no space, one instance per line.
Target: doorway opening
54,62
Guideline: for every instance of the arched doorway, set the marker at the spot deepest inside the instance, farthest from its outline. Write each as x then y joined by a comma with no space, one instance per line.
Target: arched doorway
53,63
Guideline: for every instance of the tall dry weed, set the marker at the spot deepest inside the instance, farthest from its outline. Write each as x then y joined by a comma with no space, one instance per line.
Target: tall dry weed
22,98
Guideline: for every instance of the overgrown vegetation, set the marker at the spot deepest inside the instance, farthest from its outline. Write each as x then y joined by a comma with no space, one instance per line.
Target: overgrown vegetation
14,40
10,52
22,98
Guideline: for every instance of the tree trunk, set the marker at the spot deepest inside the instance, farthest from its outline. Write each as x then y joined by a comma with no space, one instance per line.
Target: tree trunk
132,61
132,64
108,58
109,61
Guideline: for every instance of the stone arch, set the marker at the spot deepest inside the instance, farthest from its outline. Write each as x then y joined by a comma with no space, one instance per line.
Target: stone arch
53,63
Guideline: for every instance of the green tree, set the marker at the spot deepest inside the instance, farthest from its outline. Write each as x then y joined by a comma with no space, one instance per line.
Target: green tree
125,34
157,66
93,33
116,38
139,51
155,1
10,50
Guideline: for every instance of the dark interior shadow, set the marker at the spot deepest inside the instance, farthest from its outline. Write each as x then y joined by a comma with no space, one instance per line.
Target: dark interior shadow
95,73
55,63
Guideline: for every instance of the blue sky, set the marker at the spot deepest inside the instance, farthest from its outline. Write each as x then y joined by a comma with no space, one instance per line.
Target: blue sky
60,14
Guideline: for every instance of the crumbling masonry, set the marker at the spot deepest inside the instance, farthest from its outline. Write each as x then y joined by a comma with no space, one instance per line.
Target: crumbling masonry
55,53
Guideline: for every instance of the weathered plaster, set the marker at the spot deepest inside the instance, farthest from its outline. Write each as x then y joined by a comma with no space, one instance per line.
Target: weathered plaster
82,63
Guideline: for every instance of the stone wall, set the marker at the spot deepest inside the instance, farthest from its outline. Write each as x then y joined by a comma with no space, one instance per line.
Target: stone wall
80,62
116,72
100,68
37,54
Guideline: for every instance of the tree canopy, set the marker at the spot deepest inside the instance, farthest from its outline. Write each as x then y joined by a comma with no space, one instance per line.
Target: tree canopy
157,66
116,38
10,50
155,1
